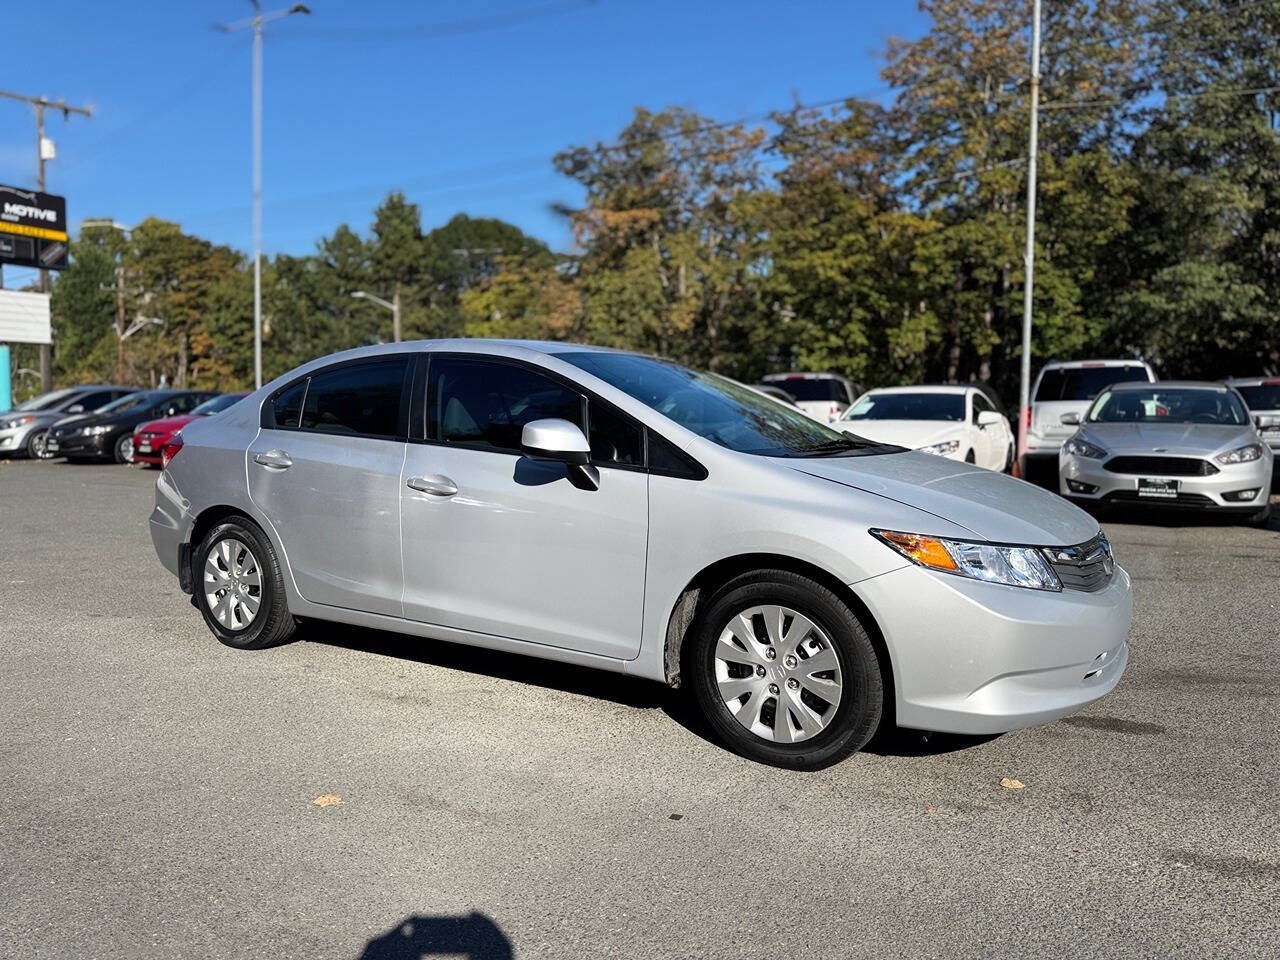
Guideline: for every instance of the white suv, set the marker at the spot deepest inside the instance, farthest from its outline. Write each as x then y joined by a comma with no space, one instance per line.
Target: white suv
823,396
1067,387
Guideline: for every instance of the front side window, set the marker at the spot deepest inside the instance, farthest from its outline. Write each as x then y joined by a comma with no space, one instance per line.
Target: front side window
908,406
485,404
718,409
130,403
1168,405
356,399
96,400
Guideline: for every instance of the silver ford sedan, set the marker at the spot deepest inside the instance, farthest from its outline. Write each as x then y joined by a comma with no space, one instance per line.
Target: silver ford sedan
1172,444
626,513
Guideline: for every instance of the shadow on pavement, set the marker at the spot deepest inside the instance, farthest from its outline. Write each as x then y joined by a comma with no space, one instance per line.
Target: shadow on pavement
475,936
891,741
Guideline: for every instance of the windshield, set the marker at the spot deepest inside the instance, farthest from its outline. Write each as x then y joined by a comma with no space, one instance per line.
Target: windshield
718,409
126,403
1168,405
1265,396
216,404
908,406
812,390
1084,383
46,400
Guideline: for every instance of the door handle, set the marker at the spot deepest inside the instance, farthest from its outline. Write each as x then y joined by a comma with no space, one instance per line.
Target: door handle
436,485
276,459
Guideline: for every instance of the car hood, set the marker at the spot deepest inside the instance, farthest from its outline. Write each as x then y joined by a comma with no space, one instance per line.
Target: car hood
76,420
904,433
38,417
994,506
1174,439
166,424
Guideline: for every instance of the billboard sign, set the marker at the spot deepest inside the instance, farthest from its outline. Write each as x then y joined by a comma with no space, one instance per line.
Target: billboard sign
33,228
24,317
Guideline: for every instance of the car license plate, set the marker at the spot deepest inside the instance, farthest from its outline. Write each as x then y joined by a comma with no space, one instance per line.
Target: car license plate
144,447
51,444
1159,489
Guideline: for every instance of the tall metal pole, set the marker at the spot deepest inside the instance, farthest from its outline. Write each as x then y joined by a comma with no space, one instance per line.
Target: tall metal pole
257,200
1028,289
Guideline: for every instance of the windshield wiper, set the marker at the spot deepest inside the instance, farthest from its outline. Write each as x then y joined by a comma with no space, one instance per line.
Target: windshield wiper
832,447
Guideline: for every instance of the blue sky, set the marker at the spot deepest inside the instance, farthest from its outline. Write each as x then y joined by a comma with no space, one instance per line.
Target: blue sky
366,97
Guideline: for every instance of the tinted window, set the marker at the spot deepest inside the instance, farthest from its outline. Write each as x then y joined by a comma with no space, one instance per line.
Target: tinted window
1084,383
183,402
358,398
95,400
908,406
1168,405
286,407
614,438
1262,397
665,458
217,404
486,404
816,389
130,403
718,409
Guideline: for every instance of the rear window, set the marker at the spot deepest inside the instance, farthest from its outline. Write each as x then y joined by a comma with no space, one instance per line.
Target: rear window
361,399
1084,383
1265,396
815,390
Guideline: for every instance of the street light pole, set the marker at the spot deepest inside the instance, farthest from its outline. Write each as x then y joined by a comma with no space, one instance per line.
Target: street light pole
1028,288
393,305
257,21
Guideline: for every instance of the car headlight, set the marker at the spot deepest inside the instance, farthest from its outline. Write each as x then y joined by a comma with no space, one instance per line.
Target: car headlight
1245,454
16,422
1083,448
1013,566
95,431
942,449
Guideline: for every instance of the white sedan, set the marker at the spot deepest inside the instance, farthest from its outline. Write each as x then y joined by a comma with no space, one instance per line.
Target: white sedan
958,421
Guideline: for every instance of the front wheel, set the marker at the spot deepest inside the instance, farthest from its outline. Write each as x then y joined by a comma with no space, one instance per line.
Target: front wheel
785,672
123,452
35,444
239,587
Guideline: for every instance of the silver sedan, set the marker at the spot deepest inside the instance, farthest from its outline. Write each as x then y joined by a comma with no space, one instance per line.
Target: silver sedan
626,513
1168,444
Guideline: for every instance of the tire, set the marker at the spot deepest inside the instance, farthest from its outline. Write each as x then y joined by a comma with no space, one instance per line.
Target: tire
122,452
270,623
35,444
834,733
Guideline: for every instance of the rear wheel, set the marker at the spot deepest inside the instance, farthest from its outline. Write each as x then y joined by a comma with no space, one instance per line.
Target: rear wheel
785,672
123,450
239,587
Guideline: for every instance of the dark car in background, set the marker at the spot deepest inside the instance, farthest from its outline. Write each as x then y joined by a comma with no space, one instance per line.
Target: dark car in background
23,429
150,436
108,433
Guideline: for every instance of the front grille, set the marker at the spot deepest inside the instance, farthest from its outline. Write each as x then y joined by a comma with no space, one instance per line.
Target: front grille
1181,500
1162,466
1087,566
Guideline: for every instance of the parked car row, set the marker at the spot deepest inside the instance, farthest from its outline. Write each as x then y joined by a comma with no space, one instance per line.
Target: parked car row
101,422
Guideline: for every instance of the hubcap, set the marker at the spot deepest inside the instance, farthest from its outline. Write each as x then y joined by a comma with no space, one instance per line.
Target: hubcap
232,584
126,449
778,674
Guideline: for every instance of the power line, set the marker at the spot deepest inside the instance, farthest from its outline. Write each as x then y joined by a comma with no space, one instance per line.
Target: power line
452,28
1113,101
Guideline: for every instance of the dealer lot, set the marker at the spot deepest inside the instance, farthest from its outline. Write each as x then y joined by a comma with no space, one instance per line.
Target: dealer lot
160,788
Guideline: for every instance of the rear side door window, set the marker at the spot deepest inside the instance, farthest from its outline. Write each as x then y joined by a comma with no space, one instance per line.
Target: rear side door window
355,399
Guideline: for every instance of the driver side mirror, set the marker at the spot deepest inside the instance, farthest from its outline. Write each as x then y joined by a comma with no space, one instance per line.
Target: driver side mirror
76,408
563,442
1070,419
988,418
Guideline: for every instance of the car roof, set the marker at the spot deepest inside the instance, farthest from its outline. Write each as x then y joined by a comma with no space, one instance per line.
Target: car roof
799,375
1166,384
926,388
1077,364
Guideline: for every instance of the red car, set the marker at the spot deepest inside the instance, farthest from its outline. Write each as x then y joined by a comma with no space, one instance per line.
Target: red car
149,438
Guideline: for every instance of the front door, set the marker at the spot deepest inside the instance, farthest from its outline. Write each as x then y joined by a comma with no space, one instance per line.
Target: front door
498,543
326,473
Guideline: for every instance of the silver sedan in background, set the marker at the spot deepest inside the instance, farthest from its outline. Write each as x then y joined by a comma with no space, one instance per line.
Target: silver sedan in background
1176,444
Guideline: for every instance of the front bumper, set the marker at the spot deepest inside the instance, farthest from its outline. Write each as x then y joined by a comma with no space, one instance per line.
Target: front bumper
977,658
14,440
78,445
1195,492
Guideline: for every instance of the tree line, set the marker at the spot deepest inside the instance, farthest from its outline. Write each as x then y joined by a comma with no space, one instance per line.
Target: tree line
879,241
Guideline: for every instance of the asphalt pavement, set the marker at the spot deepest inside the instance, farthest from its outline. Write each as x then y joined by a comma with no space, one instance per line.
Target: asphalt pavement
356,793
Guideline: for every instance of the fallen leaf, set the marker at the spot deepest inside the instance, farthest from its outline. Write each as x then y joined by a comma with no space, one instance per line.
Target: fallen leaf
1010,784
930,810
332,800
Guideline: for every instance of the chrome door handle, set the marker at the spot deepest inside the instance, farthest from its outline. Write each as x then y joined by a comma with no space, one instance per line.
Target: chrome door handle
436,485
277,459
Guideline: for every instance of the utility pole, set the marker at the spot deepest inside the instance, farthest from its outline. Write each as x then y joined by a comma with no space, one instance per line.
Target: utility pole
120,321
257,21
1028,288
40,103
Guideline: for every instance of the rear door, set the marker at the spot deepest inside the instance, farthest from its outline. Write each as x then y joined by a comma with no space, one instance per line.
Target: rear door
325,470
498,543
